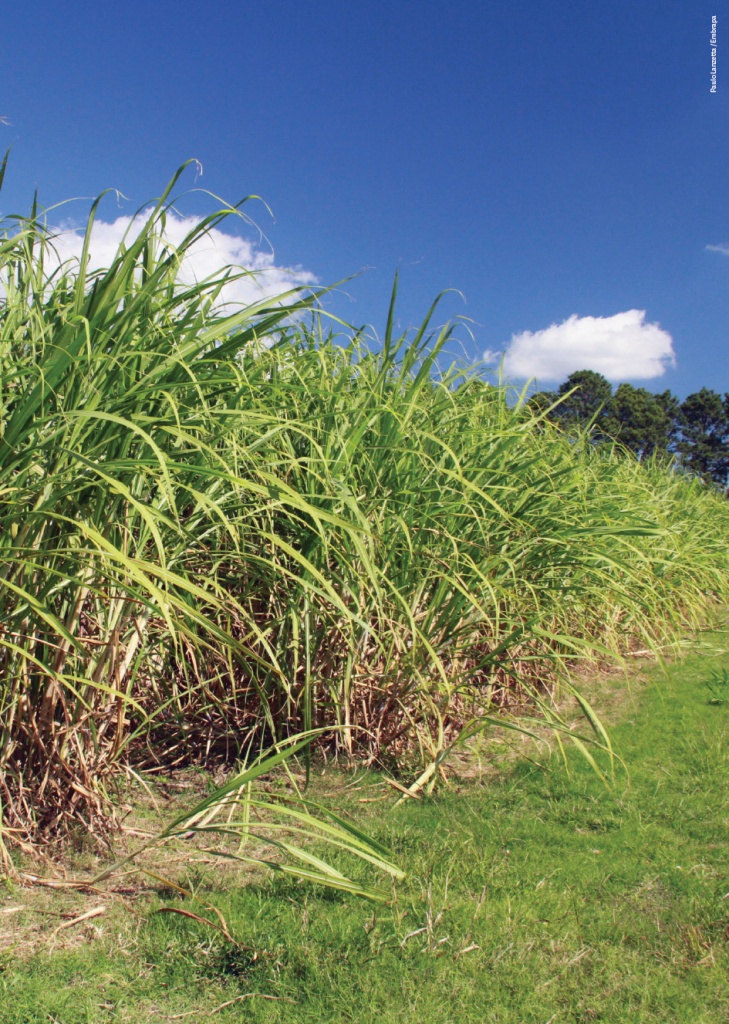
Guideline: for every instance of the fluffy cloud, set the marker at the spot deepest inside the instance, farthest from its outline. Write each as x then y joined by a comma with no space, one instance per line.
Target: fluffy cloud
621,347
208,256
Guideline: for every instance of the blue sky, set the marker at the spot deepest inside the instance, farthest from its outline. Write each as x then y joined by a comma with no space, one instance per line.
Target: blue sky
559,164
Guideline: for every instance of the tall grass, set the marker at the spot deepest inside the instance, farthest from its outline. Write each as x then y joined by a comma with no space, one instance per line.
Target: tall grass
220,528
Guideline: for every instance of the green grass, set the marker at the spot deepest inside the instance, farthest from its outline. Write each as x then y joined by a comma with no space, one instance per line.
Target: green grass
585,904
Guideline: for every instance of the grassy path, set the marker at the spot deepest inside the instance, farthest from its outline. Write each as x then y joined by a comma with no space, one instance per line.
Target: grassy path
538,898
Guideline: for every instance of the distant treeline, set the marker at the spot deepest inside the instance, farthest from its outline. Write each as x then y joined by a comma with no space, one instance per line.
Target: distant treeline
695,430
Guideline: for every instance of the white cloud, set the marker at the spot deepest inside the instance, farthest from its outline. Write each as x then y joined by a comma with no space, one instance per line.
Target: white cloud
208,256
621,347
719,248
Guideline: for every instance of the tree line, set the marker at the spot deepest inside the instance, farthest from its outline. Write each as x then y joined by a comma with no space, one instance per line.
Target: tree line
696,430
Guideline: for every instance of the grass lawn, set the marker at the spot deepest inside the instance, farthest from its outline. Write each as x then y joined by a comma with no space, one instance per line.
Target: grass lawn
531,896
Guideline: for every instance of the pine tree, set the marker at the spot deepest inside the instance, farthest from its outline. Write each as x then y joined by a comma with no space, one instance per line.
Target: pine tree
704,441
642,421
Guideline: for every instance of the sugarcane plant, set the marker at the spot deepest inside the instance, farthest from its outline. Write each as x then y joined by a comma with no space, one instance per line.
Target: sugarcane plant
222,526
